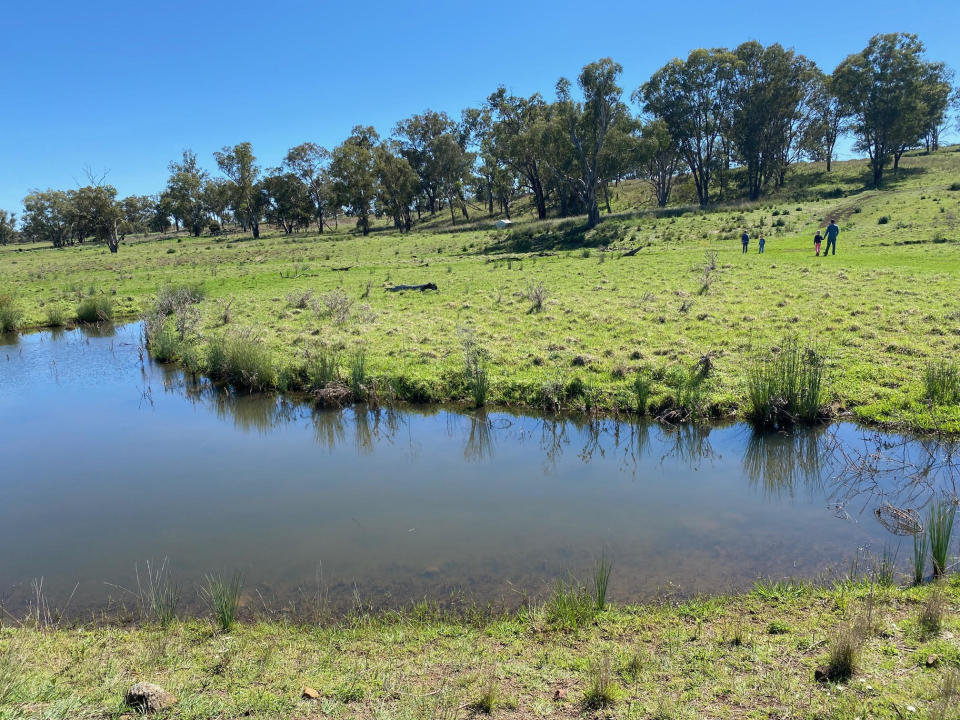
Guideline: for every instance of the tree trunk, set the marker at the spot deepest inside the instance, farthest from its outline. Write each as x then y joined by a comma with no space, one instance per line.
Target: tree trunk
829,158
606,197
255,227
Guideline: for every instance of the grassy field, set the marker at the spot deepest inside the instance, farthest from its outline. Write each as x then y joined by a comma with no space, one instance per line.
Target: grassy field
886,652
555,317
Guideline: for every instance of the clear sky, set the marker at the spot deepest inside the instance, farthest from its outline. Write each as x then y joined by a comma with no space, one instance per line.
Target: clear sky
126,86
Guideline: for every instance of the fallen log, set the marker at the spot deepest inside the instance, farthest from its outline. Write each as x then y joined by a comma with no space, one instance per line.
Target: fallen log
421,288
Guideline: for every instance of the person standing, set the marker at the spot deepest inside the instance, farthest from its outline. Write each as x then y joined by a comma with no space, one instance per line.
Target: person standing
832,232
761,243
745,239
817,239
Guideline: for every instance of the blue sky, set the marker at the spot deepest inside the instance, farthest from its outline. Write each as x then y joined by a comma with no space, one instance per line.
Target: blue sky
126,86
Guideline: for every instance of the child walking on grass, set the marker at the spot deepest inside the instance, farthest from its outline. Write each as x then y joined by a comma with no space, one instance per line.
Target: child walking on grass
817,239
761,242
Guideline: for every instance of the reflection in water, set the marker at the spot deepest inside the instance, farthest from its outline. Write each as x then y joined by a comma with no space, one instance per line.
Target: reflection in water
779,462
403,504
479,446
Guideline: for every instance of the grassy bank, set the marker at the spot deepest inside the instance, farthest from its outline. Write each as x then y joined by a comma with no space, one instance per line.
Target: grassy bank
887,652
548,315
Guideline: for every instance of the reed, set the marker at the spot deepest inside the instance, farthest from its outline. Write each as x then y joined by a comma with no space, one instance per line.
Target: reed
941,382
642,387
10,314
94,309
601,581
921,549
940,529
223,598
786,387
358,374
159,595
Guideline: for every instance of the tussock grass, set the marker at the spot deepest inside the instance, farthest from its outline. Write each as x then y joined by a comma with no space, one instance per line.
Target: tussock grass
642,388
885,567
475,371
241,359
56,315
536,295
602,689
222,596
785,387
490,695
94,309
358,374
570,605
941,382
940,529
159,595
10,314
321,366
930,615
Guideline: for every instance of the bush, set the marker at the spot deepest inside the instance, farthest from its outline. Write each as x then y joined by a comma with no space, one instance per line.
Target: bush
10,314
884,219
94,309
955,186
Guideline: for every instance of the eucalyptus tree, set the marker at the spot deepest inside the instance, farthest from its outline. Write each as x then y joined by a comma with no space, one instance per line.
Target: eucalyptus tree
516,140
693,97
422,139
354,174
218,195
137,212
397,185
239,164
660,159
96,213
768,90
288,203
937,92
882,89
185,192
310,163
47,217
586,125
828,121
8,227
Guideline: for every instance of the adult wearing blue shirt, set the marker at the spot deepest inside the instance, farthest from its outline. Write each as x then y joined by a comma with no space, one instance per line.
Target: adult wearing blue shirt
832,232
745,239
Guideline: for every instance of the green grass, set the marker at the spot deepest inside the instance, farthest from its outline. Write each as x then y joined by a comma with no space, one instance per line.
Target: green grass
630,661
941,380
785,387
880,311
95,309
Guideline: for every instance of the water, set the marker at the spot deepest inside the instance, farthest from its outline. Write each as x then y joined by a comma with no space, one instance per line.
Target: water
109,460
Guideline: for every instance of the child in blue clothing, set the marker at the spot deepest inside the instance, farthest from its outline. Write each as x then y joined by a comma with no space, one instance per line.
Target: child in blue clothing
762,242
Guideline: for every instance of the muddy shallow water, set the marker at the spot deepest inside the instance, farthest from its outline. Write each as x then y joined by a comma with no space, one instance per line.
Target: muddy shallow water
110,461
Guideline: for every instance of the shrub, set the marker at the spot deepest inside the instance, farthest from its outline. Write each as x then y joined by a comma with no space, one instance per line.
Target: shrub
785,388
172,297
883,220
955,186
10,315
300,299
94,309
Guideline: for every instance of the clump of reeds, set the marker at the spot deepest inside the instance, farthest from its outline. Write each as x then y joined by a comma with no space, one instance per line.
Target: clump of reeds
602,689
223,598
241,359
642,387
95,308
56,315
10,314
475,369
843,655
159,595
940,529
786,387
885,567
358,374
570,605
160,337
601,581
921,549
941,382
321,366
689,387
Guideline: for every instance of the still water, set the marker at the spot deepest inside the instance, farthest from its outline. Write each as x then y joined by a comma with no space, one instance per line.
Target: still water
109,461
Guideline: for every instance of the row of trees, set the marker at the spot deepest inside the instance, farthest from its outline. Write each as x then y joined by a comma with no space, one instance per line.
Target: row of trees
732,121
